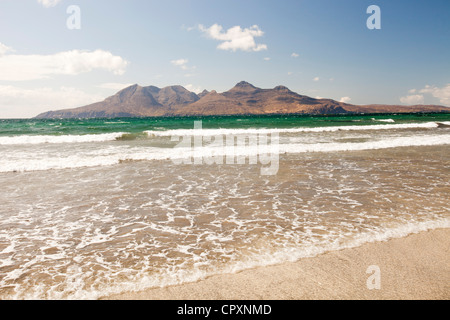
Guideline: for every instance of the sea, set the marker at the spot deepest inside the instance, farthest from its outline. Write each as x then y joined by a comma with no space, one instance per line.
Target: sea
96,207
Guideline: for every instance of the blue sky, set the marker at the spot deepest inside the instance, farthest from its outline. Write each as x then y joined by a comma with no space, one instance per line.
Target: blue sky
319,48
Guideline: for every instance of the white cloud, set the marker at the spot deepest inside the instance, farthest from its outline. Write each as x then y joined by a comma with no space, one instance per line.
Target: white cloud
32,67
4,49
316,79
413,99
443,94
193,88
114,85
345,100
295,55
235,38
184,27
18,102
266,59
49,3
182,63
417,96
290,73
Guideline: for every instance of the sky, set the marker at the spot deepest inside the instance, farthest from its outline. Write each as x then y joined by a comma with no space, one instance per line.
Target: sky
57,54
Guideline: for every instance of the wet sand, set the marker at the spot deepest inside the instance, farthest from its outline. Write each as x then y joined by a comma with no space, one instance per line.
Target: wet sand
414,267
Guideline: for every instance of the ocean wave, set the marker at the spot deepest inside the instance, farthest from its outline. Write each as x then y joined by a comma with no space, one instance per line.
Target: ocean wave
213,132
414,141
384,120
30,140
118,154
444,124
126,136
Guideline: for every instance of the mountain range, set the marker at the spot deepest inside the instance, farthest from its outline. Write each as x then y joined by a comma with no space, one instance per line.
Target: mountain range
242,99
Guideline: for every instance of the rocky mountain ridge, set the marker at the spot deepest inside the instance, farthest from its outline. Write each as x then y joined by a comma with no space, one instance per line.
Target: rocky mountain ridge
242,99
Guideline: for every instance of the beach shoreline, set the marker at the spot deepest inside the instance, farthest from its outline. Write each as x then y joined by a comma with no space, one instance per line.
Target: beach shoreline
416,267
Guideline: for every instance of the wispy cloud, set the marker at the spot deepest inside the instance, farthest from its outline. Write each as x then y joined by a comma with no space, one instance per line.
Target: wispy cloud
443,94
4,49
31,67
316,79
345,100
413,99
295,55
182,63
184,27
193,88
417,96
235,38
114,85
266,59
49,3
21,102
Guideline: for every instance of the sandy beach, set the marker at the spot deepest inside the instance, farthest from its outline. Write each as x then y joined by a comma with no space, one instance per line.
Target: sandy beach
414,267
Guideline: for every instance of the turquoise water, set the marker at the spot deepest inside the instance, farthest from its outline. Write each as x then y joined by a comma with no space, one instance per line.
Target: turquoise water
136,125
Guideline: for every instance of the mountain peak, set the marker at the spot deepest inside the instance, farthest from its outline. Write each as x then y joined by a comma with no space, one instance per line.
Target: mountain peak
176,95
129,88
282,89
243,87
203,93
126,93
244,84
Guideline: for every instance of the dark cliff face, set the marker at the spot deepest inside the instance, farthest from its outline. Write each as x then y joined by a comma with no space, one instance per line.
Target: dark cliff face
244,98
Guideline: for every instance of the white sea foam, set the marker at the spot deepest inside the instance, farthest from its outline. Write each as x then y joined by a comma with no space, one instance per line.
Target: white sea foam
291,254
414,141
31,140
117,122
384,120
75,289
114,155
213,132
